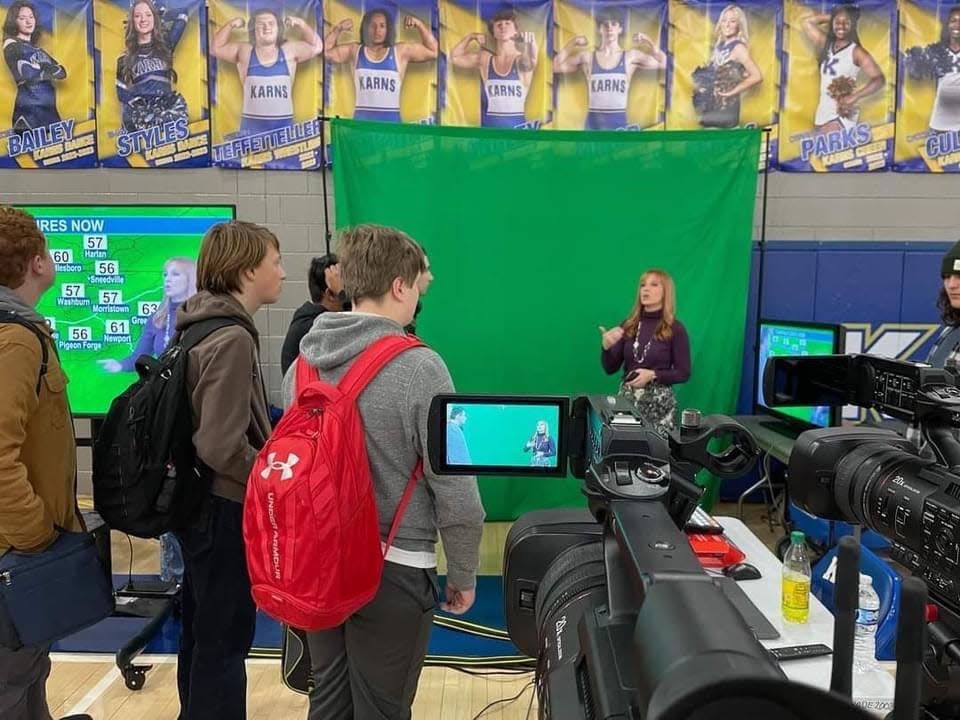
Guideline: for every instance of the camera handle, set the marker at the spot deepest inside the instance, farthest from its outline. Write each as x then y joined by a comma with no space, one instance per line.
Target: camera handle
940,435
690,444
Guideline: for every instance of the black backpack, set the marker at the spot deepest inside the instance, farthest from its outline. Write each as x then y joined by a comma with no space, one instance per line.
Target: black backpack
147,479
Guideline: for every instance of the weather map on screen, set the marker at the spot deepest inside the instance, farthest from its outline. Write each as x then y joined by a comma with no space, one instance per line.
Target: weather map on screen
778,339
122,270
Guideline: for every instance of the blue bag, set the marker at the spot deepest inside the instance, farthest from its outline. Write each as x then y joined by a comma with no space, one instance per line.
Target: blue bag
49,595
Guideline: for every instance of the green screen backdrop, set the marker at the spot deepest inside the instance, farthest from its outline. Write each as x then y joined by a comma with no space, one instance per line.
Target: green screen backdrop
537,238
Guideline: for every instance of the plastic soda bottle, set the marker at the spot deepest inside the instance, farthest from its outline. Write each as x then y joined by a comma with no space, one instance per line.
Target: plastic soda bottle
795,599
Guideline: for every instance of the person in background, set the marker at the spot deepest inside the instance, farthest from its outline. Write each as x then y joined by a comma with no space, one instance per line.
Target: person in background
369,667
732,69
506,69
426,277
179,283
946,350
940,62
267,65
38,452
326,295
609,69
239,270
457,451
145,74
379,64
841,58
32,68
653,349
542,446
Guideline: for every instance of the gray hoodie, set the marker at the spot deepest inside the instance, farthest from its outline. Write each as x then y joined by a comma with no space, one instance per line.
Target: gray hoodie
394,409
9,300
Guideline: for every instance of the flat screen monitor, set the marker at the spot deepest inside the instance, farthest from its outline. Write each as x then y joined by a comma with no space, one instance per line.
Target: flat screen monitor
121,272
782,337
499,435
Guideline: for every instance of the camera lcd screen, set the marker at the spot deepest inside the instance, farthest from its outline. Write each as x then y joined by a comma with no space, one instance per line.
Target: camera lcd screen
505,435
779,338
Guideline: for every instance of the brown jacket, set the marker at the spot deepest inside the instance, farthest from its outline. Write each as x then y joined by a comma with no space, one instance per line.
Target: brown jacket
231,421
38,456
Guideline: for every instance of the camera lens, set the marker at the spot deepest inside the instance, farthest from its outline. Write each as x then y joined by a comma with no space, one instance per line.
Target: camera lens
575,582
885,488
857,470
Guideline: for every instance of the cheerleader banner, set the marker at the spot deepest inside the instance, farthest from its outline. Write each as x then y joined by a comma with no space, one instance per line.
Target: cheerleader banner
839,72
382,60
152,101
47,104
610,66
495,63
928,92
266,80
726,66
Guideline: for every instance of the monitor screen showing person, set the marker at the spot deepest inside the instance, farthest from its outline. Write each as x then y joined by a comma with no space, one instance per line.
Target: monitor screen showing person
503,435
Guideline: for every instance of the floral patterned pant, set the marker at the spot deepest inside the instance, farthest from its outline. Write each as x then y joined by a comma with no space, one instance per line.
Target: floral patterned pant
656,403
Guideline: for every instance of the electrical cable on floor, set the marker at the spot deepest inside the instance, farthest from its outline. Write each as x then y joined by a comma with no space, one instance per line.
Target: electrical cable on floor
510,672
508,700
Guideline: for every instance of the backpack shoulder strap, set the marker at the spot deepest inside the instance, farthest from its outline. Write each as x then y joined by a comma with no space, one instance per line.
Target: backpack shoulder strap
305,374
372,360
196,333
10,317
364,369
404,501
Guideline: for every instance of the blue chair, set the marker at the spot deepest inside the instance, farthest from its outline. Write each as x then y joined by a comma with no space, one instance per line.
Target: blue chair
886,582
827,533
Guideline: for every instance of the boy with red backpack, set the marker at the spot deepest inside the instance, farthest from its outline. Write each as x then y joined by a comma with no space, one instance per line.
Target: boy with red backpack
369,665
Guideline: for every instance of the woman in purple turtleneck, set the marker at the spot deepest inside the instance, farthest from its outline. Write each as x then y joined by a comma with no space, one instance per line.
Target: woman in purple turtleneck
179,283
653,348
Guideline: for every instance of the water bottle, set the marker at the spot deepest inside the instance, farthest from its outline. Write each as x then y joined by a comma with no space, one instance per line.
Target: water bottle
868,618
795,598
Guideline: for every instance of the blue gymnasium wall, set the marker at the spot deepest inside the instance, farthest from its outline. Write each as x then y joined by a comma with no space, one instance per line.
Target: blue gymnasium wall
876,289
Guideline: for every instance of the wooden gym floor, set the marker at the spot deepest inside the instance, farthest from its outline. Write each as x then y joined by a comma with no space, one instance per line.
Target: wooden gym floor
82,683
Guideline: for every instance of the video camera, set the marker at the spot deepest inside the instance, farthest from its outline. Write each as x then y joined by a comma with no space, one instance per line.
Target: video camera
907,491
612,602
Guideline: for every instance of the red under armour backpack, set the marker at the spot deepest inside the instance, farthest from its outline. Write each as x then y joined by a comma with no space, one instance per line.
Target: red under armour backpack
310,524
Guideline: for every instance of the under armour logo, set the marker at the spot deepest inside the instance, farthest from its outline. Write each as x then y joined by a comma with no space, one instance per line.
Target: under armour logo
830,66
285,468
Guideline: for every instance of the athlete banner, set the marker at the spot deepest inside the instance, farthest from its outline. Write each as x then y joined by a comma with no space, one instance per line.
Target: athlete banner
152,102
495,63
47,105
726,66
839,73
928,92
266,83
610,66
381,60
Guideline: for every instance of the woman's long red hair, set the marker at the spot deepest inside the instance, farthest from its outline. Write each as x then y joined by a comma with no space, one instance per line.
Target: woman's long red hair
664,330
